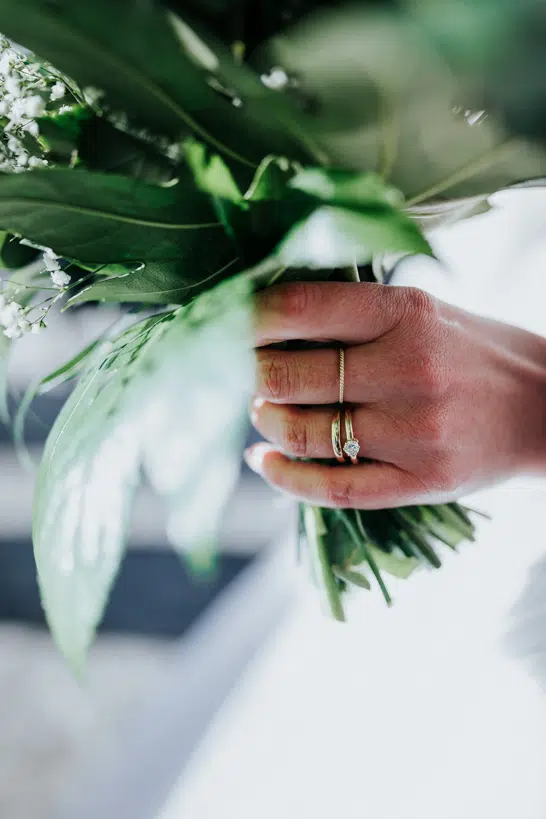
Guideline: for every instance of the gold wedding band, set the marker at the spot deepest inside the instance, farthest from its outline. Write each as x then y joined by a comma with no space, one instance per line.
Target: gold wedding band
351,446
336,437
341,374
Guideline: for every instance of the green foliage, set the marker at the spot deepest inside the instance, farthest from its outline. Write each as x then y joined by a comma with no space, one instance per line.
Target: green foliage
337,237
149,283
107,218
140,404
151,68
343,158
13,254
210,172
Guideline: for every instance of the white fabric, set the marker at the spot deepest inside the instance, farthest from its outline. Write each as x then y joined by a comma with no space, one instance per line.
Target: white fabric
434,709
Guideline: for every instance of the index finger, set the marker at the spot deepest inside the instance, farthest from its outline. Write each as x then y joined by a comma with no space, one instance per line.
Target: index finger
349,312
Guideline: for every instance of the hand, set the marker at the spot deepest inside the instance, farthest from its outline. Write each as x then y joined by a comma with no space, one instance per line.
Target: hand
443,401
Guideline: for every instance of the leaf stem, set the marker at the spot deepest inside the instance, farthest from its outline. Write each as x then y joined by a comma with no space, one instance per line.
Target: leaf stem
363,542
315,530
460,175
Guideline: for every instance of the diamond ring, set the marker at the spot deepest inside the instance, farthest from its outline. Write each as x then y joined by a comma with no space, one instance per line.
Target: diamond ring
351,447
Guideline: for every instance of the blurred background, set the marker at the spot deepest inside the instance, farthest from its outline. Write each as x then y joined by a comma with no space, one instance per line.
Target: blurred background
233,696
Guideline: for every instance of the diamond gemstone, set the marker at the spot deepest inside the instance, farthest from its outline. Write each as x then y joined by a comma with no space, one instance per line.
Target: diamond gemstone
351,448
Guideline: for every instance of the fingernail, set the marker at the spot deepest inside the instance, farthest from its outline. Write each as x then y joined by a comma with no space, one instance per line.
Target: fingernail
254,456
255,406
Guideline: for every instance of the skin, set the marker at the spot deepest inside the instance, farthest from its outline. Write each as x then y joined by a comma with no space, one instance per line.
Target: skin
444,402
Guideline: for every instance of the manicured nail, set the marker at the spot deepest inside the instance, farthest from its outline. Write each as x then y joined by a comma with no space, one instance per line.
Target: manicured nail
255,406
254,456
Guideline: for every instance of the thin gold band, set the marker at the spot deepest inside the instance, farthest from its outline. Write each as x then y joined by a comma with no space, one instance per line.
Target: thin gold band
341,374
351,446
336,437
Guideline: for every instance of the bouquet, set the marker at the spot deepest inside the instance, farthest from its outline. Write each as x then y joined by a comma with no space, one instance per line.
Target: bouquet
174,160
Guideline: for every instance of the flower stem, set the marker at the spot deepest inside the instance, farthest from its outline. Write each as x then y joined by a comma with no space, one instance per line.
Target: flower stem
315,530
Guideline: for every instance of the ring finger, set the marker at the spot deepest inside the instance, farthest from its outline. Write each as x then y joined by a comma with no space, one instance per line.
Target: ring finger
306,433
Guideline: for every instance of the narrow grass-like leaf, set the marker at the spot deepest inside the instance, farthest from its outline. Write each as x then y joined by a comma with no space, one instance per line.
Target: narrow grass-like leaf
320,563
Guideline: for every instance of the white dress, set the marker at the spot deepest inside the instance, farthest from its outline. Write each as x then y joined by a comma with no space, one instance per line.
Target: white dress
436,708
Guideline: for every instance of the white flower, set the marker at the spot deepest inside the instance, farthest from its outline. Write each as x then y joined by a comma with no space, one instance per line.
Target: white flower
14,145
34,106
33,128
4,107
24,325
92,95
60,278
36,162
6,62
12,85
10,314
2,301
17,110
64,108
58,91
22,160
13,331
277,79
36,328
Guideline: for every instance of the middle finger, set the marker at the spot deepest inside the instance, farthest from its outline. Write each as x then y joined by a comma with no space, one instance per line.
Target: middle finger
312,376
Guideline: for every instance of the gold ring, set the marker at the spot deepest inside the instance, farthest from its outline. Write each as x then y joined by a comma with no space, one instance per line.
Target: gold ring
336,437
341,374
351,446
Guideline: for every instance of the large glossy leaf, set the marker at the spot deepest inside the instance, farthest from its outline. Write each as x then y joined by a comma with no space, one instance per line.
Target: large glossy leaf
13,254
338,237
159,398
134,52
98,218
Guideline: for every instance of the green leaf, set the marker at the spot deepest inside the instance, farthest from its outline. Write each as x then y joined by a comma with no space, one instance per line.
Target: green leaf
315,532
13,254
60,133
392,564
158,397
346,189
350,576
337,237
96,218
150,283
373,60
102,147
148,69
271,180
210,172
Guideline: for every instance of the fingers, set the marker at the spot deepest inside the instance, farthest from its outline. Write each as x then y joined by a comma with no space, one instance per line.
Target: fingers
306,433
366,486
349,312
312,376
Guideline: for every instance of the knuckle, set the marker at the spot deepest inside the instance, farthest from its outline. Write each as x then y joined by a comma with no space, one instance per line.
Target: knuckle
446,477
295,436
278,378
420,306
431,373
340,493
295,298
433,427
